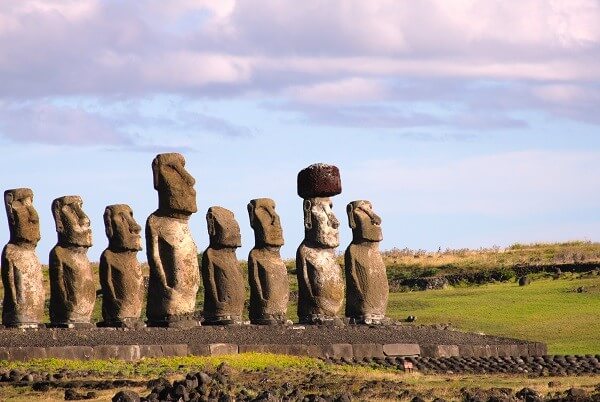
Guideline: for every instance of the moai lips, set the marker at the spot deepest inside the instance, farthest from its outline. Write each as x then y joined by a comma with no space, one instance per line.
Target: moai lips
367,286
267,274
172,254
320,283
221,274
72,284
24,294
120,272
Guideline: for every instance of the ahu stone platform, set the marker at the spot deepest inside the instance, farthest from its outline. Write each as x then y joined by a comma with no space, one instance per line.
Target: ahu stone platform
349,342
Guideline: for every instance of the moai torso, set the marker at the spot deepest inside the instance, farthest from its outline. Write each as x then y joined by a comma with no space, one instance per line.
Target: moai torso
224,290
72,284
267,274
172,254
367,286
320,284
174,272
23,304
120,272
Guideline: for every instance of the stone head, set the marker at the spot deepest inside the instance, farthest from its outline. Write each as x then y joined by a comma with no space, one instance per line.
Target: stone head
265,222
223,229
320,224
23,219
175,186
365,224
72,224
122,230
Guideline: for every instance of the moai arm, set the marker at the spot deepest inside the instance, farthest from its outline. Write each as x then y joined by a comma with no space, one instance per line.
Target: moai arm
209,270
350,264
8,271
254,274
154,256
304,273
106,280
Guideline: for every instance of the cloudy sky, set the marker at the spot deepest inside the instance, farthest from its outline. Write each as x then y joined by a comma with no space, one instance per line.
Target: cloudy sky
467,123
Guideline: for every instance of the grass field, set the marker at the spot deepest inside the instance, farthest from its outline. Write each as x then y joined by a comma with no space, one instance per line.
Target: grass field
547,310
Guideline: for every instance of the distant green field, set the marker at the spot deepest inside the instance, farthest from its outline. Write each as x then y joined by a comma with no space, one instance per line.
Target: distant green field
550,311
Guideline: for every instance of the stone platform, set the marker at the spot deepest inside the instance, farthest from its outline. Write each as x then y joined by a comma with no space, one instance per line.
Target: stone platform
349,342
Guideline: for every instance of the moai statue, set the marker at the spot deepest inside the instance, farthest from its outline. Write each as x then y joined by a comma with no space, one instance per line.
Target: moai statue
320,283
221,273
172,254
23,305
72,284
120,272
367,286
269,284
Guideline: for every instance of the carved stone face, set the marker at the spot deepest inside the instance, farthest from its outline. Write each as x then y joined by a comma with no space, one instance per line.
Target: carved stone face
175,186
72,224
23,220
365,224
265,222
320,224
223,229
122,230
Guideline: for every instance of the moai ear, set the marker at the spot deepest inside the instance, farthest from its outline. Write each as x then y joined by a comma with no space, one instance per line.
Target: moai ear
251,214
56,207
108,222
350,212
210,221
307,215
8,199
155,173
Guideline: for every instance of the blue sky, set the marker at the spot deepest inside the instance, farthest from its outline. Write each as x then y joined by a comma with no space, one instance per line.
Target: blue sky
467,123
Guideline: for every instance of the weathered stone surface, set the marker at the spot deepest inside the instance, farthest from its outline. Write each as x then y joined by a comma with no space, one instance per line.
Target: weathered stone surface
172,254
23,304
336,351
367,286
401,349
221,273
320,283
319,180
120,272
27,353
267,274
439,350
70,352
362,350
72,285
121,352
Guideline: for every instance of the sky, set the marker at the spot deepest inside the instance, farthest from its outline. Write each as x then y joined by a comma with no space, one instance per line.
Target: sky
467,123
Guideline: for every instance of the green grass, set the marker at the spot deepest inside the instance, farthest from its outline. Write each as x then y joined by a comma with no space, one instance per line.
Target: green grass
550,311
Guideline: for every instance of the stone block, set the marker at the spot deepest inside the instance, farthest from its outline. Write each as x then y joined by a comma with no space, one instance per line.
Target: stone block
466,350
216,349
174,350
70,352
335,350
532,349
541,349
514,350
503,350
401,349
26,353
296,350
523,350
151,351
479,351
491,350
439,350
362,350
4,354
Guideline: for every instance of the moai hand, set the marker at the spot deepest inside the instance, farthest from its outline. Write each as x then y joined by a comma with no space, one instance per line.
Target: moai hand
221,274
367,286
24,294
172,254
320,283
120,272
267,274
72,284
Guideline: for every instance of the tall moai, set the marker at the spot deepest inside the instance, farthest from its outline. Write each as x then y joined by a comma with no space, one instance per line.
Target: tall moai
221,273
367,286
267,274
172,254
120,272
24,294
320,283
72,284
